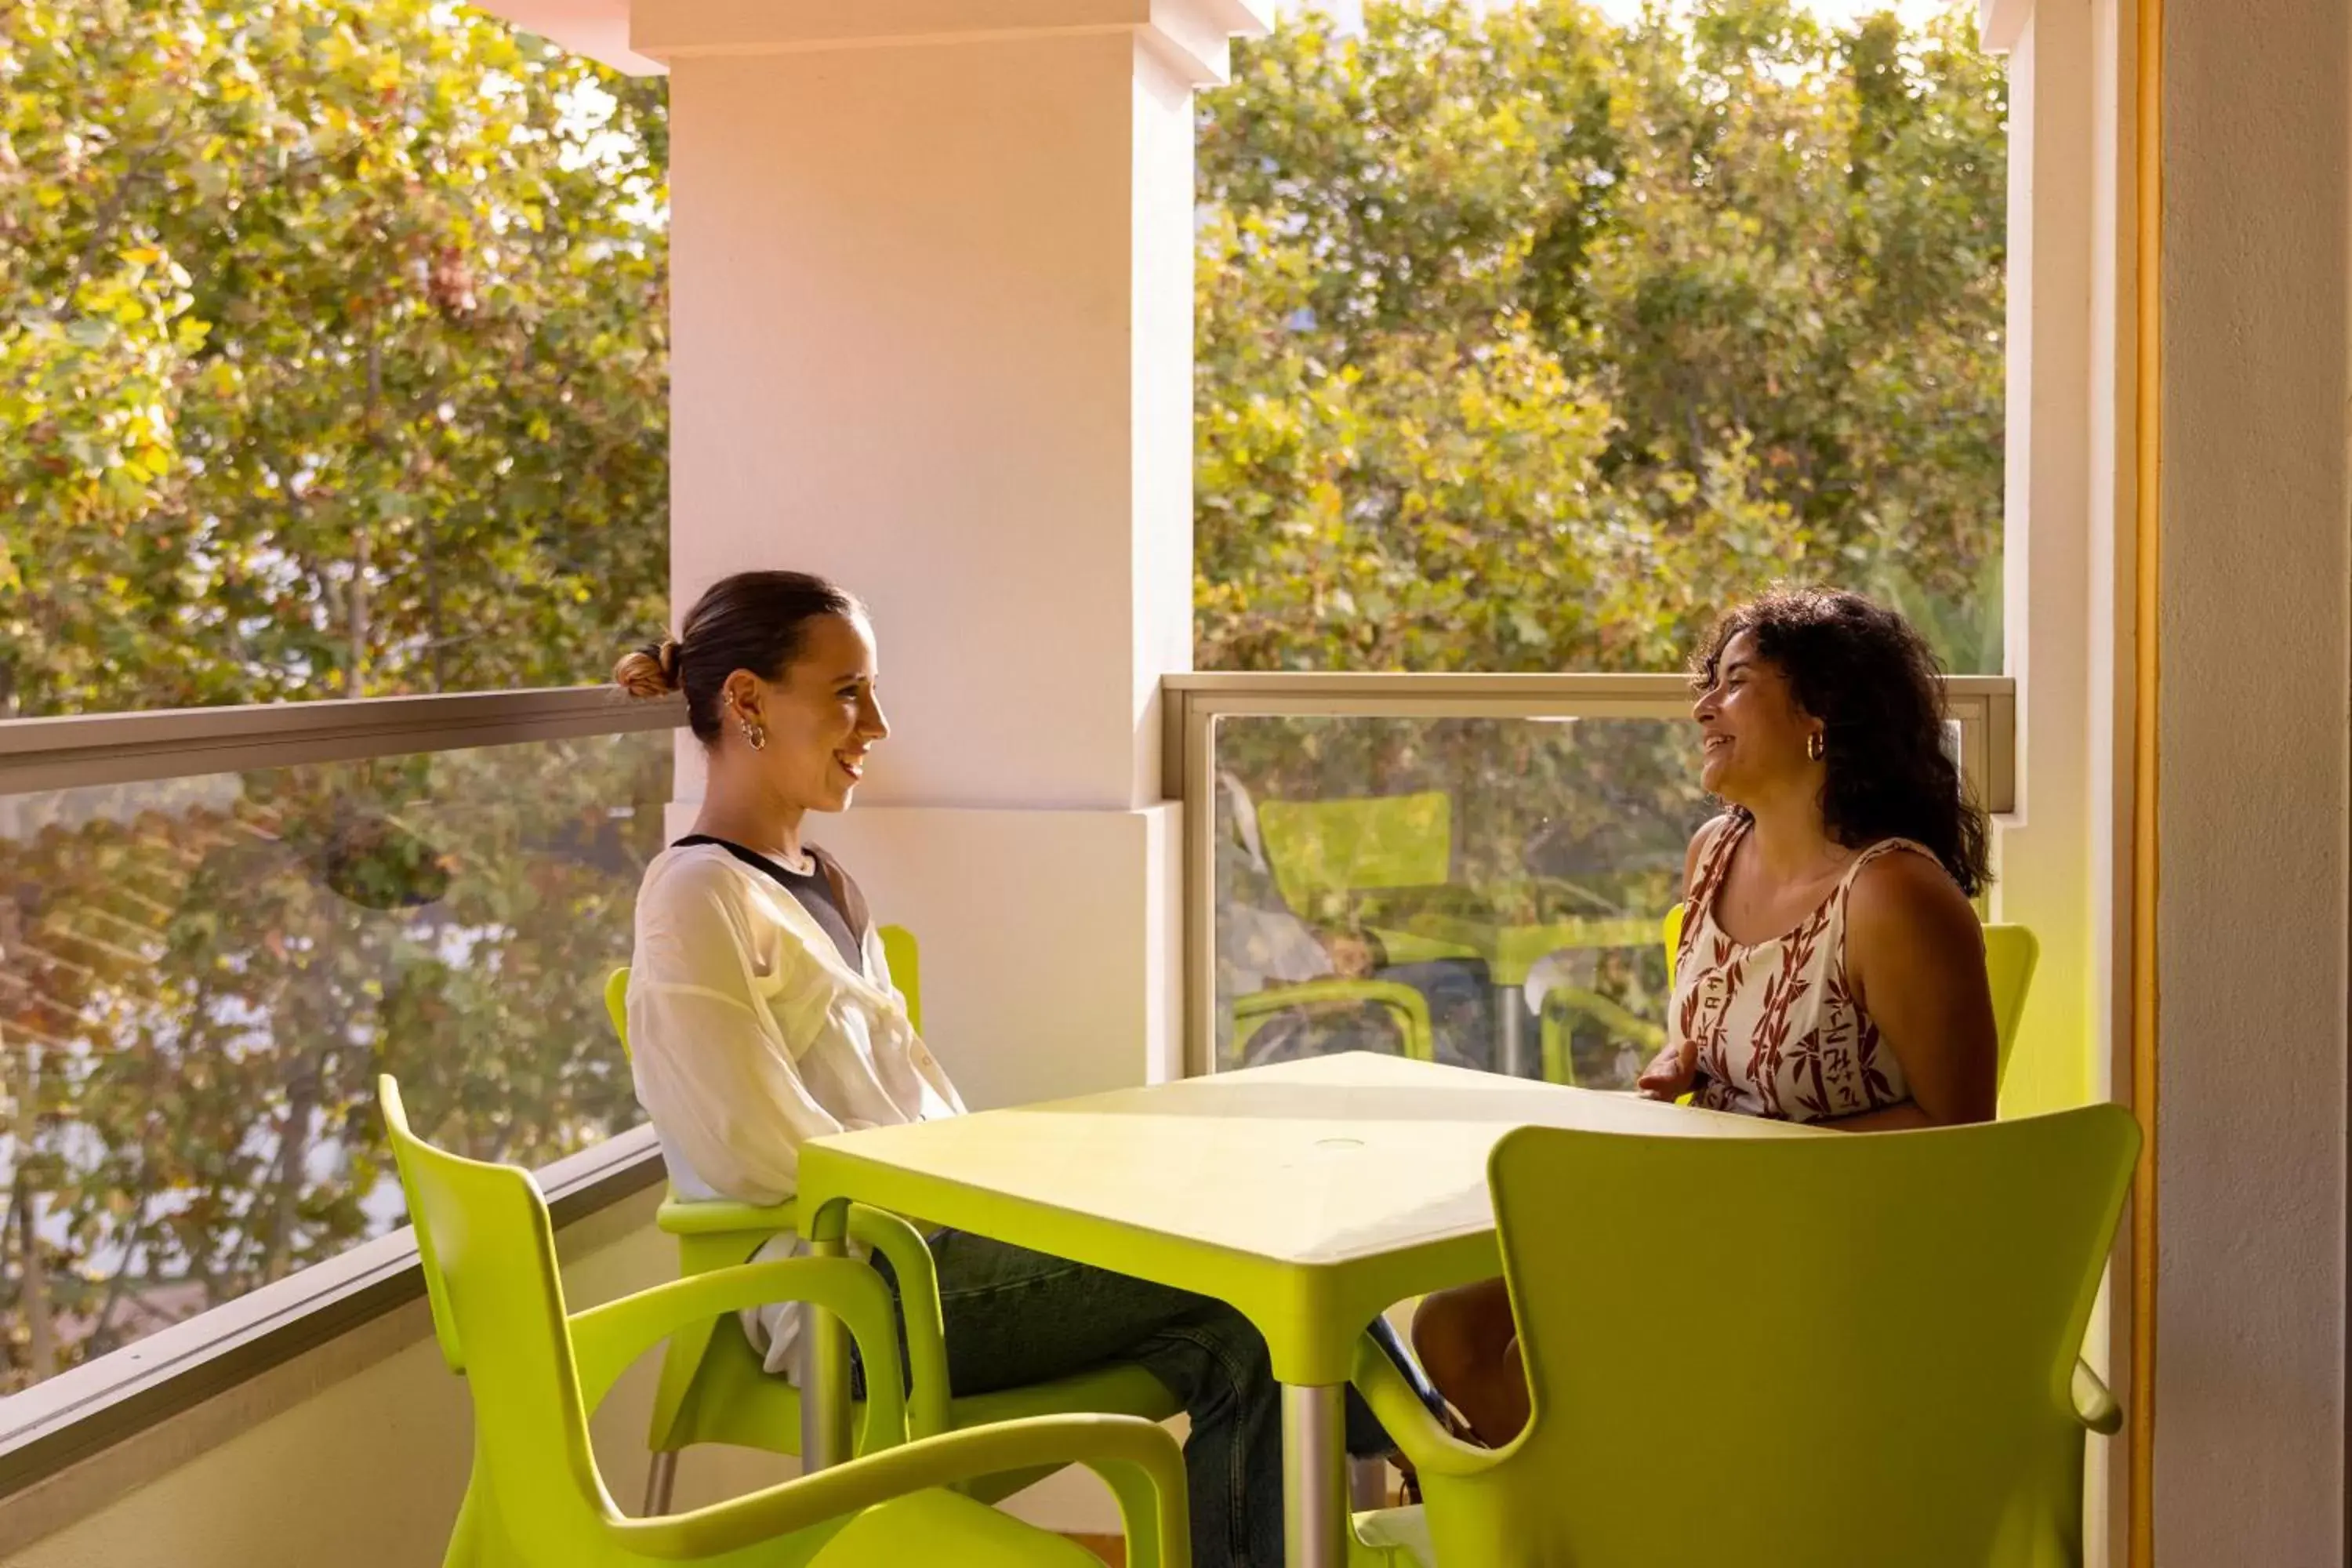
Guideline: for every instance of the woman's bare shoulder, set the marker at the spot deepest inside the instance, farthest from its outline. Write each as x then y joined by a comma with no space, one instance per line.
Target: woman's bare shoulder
1909,894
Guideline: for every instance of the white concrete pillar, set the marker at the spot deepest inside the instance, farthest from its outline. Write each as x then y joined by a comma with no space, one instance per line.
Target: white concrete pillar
931,284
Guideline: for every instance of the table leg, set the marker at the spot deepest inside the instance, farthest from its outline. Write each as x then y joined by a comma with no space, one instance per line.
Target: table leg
1511,1031
825,1381
1316,1523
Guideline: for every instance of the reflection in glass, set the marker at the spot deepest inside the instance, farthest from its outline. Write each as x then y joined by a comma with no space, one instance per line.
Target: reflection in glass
1483,891
200,979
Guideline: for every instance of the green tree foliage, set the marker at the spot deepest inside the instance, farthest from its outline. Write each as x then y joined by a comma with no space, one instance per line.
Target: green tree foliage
1530,343
333,353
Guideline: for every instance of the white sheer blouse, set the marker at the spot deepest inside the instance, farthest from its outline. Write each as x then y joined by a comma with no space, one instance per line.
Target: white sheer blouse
750,1034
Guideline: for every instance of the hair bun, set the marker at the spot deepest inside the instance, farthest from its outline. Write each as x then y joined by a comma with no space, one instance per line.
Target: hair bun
649,671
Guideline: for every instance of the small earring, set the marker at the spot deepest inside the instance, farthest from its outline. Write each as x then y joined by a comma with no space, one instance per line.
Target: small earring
1815,747
754,735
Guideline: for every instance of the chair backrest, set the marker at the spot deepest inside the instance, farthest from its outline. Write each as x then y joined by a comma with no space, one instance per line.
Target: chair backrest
1321,847
2011,953
488,1252
898,951
1867,1361
906,962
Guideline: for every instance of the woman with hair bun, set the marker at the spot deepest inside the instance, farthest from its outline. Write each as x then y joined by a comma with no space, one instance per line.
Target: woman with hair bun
761,1013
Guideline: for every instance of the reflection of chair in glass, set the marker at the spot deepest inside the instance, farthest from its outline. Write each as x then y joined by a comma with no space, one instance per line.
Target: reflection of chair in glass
537,1372
713,1388
1329,860
1321,848
1913,1398
2012,954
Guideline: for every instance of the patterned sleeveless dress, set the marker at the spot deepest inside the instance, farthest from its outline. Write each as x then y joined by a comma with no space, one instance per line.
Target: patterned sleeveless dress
1779,1031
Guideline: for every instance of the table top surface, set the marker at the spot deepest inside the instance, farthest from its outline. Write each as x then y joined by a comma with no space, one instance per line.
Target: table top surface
1310,1195
1306,1162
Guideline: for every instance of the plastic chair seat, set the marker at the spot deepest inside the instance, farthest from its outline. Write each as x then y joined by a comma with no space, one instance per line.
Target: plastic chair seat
1925,1291
940,1527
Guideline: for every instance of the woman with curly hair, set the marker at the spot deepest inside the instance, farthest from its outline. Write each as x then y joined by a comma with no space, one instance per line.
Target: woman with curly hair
1831,970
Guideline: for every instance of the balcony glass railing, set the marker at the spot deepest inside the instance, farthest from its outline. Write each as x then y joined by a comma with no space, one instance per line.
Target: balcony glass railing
200,978
1474,869
217,926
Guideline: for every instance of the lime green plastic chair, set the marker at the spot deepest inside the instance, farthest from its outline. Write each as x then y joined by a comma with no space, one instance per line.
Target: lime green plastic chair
2012,954
536,1372
1872,1361
713,1388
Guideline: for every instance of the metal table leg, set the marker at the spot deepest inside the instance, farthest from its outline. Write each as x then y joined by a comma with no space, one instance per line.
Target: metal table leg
824,1380
1511,1031
1316,1523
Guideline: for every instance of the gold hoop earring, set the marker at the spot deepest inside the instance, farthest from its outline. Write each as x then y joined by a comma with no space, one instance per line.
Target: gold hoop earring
1815,747
754,735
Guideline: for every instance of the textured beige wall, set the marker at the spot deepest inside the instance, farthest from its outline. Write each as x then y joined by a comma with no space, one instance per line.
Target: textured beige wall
2255,744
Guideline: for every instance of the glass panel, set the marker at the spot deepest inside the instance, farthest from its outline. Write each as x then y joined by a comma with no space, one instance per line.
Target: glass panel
1507,876
201,978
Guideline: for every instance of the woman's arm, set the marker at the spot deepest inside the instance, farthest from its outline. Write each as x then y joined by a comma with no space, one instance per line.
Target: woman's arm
1915,954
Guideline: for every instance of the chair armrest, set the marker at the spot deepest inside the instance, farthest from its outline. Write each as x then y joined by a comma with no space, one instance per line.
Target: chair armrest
1410,1005
879,1231
2095,1407
1139,1459
909,1256
717,1217
1381,992
606,1339
1609,1012
1429,1446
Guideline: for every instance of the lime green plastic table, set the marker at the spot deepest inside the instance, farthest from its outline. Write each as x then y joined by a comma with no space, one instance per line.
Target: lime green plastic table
1311,1195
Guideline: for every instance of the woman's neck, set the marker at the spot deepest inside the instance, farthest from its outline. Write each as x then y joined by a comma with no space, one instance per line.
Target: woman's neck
770,829
1792,843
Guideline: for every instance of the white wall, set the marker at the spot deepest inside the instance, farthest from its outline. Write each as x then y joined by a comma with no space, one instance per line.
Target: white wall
2255,647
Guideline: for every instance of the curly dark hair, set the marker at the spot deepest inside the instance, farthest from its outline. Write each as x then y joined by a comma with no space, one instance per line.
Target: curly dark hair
1878,690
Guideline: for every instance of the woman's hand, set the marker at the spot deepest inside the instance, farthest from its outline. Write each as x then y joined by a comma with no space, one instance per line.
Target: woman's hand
1670,1074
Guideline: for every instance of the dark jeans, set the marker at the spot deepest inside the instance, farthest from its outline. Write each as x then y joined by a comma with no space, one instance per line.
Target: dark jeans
1015,1316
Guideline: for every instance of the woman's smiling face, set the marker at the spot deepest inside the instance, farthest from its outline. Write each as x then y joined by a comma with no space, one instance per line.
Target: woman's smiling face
820,719
1753,738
